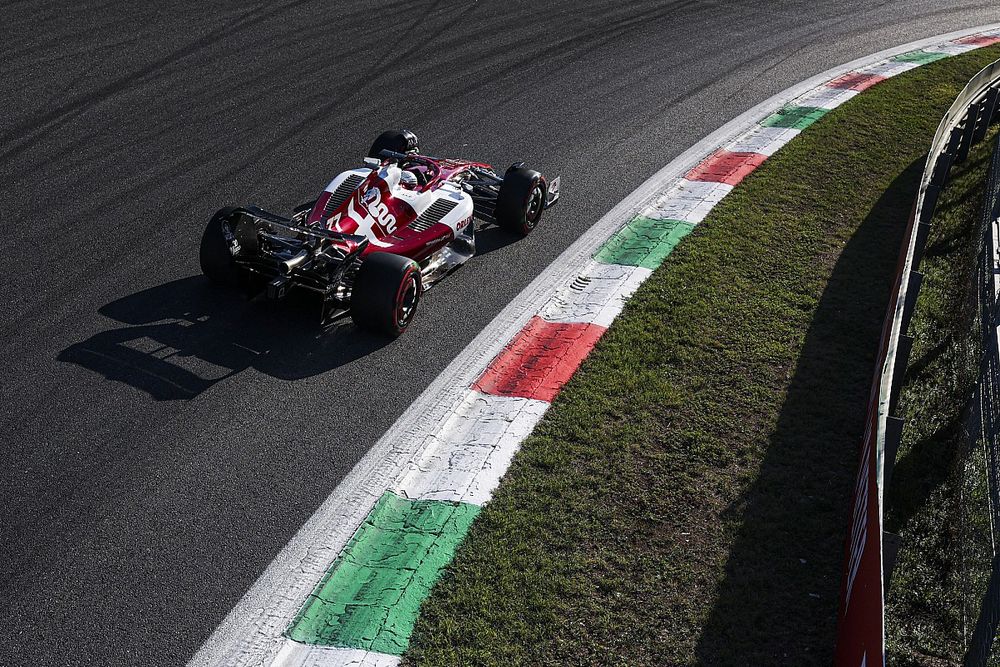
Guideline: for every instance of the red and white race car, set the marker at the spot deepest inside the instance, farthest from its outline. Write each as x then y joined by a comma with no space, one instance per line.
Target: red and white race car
377,237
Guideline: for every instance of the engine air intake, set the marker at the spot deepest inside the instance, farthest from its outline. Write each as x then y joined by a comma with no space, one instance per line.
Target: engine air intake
433,214
340,195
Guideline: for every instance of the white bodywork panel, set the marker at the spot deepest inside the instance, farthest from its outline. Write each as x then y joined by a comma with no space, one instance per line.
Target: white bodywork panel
457,219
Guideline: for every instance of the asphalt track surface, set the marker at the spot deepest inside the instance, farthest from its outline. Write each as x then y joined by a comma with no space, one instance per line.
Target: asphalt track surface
162,439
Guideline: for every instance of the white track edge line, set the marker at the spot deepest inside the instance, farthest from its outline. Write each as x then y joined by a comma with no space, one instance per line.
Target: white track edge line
297,654
251,634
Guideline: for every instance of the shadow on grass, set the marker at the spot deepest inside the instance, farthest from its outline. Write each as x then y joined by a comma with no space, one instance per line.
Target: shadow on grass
781,583
926,465
939,381
918,365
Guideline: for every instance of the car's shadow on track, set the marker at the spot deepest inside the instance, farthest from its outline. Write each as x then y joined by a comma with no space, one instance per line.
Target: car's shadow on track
490,238
182,337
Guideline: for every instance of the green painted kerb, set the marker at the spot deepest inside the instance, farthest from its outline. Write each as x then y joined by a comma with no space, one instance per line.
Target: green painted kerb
370,597
919,57
795,117
643,242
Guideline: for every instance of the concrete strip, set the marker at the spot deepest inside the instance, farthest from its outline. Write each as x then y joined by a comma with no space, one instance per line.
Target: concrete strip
296,654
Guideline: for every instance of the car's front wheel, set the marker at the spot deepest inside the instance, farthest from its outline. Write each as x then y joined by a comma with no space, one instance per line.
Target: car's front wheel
386,293
521,200
216,254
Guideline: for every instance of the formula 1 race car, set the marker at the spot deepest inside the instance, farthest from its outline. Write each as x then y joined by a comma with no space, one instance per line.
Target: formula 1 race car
377,237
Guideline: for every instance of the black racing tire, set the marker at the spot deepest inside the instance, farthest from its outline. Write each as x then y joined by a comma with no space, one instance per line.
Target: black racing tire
521,200
398,141
386,293
216,259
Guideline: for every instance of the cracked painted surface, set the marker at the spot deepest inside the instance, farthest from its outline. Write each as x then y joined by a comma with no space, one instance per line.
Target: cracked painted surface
724,166
763,140
889,68
687,201
539,360
596,295
983,39
827,97
858,81
464,460
953,49
644,242
795,116
370,597
920,57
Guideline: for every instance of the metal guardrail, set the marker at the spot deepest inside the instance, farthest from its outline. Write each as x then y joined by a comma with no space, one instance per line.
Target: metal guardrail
870,553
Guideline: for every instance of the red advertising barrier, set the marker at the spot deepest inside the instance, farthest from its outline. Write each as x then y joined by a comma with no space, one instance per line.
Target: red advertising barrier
861,624
860,636
861,618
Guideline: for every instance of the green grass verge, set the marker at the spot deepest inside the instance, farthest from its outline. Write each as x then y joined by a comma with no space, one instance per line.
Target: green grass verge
686,498
937,501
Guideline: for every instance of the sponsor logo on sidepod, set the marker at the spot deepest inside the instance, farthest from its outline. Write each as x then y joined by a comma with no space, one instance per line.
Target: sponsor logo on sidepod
372,199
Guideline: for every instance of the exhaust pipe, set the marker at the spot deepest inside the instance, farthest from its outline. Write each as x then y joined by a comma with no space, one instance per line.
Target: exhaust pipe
292,263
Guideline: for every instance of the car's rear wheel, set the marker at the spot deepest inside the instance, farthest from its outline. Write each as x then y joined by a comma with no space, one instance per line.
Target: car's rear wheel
216,254
386,293
521,200
398,141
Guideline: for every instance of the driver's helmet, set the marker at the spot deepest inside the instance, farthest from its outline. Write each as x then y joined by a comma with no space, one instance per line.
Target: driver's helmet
408,179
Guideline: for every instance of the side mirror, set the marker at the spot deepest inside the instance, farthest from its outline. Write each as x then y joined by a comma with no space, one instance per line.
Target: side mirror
373,162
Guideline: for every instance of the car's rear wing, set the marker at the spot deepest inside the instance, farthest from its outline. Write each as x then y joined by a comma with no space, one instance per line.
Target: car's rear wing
259,215
290,253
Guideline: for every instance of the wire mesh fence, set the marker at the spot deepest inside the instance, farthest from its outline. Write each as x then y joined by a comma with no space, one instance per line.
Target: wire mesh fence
983,437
